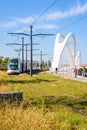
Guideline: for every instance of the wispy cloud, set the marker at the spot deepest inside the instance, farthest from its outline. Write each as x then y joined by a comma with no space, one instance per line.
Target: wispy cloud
41,26
8,24
77,10
24,20
17,21
46,26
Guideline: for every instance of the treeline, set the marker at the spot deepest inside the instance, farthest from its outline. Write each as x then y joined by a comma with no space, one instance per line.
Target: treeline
46,64
3,62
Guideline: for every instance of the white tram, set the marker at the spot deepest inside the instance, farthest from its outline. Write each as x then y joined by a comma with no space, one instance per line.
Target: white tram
14,66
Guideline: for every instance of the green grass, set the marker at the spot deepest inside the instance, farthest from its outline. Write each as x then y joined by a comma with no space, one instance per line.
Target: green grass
39,111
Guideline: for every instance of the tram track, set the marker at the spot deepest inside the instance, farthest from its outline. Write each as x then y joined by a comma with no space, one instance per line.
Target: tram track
80,111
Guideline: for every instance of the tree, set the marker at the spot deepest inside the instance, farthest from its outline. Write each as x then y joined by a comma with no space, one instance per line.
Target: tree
43,64
5,62
1,59
49,63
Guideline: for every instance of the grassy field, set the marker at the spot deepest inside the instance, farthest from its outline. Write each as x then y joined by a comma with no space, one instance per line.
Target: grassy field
40,109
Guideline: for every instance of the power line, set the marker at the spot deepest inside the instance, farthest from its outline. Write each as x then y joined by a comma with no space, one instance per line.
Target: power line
42,13
68,25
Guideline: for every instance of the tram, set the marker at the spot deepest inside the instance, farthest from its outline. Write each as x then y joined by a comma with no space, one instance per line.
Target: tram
14,66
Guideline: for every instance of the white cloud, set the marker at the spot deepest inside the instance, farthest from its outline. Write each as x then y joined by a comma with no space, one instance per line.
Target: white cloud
21,30
24,20
16,21
8,24
41,26
46,26
79,9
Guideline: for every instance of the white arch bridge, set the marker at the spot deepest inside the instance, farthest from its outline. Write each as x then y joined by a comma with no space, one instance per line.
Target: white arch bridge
60,43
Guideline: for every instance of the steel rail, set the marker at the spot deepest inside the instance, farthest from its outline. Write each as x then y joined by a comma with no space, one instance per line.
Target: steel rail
59,101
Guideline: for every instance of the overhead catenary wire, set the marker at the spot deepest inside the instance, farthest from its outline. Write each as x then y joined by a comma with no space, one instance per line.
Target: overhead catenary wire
66,26
42,14
70,24
63,28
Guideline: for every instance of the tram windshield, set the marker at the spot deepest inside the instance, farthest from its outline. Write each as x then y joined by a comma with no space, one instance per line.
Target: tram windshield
13,64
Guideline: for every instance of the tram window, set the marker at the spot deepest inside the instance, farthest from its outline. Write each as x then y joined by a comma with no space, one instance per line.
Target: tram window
13,64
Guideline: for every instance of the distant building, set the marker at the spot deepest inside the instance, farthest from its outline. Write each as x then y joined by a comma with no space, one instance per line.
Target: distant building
84,66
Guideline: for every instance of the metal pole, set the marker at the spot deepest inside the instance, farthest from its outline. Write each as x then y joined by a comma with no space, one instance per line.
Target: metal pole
22,54
41,60
31,51
26,58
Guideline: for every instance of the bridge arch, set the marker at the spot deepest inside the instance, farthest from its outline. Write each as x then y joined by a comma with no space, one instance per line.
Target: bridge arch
59,48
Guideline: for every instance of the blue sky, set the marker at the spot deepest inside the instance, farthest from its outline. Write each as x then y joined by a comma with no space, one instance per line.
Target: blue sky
18,15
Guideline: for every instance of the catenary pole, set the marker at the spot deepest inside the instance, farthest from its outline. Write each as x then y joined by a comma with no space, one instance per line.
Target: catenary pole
31,58
41,60
26,57
22,54
31,51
